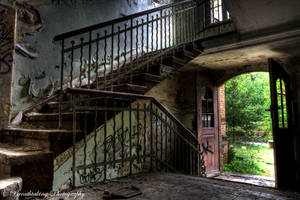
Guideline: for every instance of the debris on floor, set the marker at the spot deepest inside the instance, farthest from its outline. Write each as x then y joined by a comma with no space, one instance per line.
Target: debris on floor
122,193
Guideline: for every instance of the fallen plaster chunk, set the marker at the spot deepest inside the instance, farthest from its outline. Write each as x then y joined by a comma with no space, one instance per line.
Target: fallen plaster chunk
122,193
18,119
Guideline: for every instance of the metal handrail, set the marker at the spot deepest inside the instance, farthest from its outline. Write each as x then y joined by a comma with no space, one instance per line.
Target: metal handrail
116,21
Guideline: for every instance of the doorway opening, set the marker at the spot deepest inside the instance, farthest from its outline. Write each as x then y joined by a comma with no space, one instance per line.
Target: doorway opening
250,156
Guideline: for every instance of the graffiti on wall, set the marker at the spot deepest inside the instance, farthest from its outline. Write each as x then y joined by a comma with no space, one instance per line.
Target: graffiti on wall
6,42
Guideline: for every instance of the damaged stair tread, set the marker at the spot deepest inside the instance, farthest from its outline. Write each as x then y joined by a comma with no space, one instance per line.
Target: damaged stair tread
37,133
130,87
26,131
10,186
15,182
149,77
20,154
37,116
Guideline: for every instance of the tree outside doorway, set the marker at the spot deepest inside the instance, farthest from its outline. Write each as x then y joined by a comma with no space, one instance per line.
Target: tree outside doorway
249,125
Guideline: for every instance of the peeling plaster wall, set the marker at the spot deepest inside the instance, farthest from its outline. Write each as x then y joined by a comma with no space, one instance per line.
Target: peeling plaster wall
177,94
35,78
7,41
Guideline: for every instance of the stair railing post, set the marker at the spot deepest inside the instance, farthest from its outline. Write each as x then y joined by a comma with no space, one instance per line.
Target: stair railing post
131,48
97,61
105,58
136,49
74,141
112,56
72,67
118,52
90,58
147,22
151,136
161,35
61,84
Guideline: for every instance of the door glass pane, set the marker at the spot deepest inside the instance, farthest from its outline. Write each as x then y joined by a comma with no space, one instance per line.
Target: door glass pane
281,103
207,108
284,106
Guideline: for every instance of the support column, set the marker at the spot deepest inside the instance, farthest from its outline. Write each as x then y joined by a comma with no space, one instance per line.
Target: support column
222,127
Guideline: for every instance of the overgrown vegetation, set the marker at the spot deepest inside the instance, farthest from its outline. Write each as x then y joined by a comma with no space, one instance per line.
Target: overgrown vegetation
250,159
248,119
247,98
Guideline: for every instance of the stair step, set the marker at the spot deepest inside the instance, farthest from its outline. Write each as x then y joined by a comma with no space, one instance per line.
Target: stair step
53,140
50,120
189,54
149,77
54,106
179,62
32,164
146,79
130,88
10,187
166,70
35,116
197,48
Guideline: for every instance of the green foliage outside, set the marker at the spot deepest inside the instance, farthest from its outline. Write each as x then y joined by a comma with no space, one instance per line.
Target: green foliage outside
247,101
247,98
250,159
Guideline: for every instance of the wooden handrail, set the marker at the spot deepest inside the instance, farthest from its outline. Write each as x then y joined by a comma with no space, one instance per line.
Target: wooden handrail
115,21
130,96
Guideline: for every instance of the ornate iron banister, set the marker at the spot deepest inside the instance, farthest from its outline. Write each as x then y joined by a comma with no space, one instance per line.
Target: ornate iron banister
127,133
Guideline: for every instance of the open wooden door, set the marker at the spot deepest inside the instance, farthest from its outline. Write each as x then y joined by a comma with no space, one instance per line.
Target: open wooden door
208,127
285,165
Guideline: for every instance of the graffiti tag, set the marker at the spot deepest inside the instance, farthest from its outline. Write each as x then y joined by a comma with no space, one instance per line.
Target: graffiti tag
6,43
207,148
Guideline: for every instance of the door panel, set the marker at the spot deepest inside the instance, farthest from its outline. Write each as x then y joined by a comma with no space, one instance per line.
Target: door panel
285,165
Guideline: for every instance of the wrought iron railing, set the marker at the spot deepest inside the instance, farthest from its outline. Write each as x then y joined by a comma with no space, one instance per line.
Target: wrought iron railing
101,55
128,133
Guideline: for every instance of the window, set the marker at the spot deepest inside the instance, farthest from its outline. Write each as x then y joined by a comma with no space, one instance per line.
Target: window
207,108
281,102
217,11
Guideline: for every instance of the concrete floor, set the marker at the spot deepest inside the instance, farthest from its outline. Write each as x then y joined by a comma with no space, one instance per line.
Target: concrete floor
168,186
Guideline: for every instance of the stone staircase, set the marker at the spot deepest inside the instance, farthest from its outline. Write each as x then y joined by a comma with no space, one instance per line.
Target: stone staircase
28,149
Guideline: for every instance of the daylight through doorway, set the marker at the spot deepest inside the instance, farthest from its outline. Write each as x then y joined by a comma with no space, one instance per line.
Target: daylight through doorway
250,156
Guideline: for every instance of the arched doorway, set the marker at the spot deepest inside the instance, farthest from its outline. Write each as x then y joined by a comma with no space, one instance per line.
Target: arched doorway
283,135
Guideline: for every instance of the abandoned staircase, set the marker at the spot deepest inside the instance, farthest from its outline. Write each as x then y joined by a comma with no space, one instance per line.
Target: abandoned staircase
135,58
